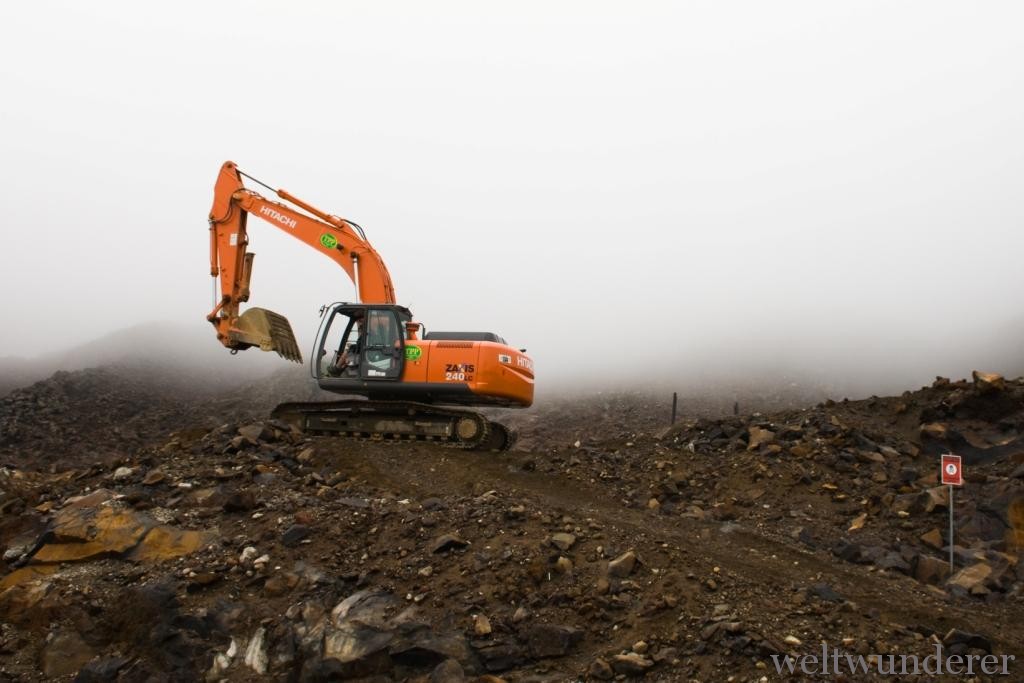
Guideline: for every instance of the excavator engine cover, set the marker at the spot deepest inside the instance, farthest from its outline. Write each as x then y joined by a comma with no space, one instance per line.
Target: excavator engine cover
268,330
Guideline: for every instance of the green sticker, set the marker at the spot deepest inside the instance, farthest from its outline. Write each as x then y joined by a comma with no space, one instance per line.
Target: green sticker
413,352
328,240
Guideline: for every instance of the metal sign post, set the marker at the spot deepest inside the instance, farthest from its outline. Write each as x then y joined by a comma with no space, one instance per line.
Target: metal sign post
952,475
951,529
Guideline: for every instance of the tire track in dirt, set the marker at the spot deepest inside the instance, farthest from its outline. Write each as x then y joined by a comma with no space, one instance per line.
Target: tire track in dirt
766,566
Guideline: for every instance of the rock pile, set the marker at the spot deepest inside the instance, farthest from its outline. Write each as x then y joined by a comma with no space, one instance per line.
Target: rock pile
247,550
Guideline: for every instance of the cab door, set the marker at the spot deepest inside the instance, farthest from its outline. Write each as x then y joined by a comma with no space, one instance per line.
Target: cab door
384,349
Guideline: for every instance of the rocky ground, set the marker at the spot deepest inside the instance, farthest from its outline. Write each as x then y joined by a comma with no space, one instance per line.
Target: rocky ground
180,536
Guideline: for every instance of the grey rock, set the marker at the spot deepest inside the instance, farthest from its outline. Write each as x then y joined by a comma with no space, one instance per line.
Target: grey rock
499,656
550,640
893,561
631,664
448,671
826,592
294,535
255,432
563,541
974,641
447,542
240,501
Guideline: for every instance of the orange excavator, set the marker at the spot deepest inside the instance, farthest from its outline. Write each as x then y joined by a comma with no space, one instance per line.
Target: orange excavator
409,378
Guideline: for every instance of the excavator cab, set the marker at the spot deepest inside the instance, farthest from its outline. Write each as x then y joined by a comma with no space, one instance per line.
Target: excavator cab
360,344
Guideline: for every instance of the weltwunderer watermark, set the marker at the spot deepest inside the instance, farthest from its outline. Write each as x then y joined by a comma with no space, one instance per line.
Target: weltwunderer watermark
832,662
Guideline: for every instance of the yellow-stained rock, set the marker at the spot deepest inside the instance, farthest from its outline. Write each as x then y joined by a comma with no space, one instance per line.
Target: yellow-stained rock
87,529
165,543
25,574
83,533
1015,534
29,598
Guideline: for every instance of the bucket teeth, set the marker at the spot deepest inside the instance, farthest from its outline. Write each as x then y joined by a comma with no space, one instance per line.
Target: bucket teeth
268,330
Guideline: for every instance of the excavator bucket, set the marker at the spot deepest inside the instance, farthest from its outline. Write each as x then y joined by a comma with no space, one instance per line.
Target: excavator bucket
268,330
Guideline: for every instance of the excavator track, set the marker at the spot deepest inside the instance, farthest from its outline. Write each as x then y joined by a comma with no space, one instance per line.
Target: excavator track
398,421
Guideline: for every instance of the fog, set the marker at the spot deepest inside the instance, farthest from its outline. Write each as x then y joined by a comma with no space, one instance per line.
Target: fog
651,193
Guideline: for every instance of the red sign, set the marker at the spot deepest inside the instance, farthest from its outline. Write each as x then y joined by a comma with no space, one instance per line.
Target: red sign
952,472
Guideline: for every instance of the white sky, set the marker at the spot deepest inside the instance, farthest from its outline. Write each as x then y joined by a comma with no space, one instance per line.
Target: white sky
822,185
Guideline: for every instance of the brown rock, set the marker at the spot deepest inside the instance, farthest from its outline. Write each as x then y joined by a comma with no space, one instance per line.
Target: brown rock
801,450
911,503
759,436
1015,515
279,584
933,539
255,432
973,577
447,542
631,664
26,601
931,570
240,501
64,654
201,579
481,625
988,382
938,497
622,566
153,477
600,670
448,671
934,430
563,541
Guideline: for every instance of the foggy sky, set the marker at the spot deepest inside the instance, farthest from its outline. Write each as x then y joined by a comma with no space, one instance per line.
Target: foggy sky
627,190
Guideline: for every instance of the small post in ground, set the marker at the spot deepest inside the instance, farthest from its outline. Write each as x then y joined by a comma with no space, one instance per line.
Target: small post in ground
951,529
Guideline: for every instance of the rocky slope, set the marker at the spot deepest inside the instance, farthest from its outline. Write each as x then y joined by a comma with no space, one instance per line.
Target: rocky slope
606,546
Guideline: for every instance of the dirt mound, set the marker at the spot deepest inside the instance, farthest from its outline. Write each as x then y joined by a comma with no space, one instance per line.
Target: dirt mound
110,413
606,545
95,414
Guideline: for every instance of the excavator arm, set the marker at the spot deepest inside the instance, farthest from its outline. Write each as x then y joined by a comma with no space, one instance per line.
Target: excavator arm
231,263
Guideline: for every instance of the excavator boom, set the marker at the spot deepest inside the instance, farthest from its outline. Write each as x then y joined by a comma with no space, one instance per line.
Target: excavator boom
230,262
